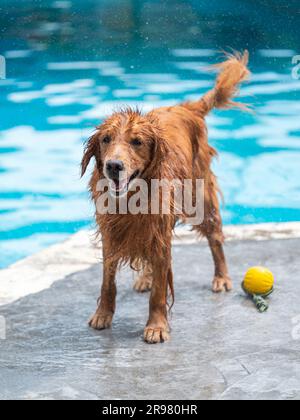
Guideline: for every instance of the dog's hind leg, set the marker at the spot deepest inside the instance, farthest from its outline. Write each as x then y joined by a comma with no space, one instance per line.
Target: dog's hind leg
144,282
212,229
102,319
222,281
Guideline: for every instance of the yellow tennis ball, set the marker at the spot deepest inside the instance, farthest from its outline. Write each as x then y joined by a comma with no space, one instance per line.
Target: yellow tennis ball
258,281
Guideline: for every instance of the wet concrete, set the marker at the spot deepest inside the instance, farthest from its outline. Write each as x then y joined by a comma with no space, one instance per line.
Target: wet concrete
221,347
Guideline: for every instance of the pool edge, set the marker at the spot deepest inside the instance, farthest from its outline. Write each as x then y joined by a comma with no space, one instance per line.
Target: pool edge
38,272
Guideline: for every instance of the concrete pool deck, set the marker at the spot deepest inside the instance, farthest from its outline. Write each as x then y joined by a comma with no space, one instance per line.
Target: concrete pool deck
221,347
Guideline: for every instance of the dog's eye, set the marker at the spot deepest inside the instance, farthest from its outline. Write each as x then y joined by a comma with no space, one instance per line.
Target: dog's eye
136,142
106,140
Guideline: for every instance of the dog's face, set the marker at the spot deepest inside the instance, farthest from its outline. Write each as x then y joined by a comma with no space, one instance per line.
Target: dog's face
125,146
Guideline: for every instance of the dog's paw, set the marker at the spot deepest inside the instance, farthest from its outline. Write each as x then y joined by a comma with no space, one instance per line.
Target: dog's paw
143,284
222,284
101,321
156,334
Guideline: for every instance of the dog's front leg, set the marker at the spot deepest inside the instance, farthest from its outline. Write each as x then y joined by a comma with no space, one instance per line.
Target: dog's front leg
102,319
157,329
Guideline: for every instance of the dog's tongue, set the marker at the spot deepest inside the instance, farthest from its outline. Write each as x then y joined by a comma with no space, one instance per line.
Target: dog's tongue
120,185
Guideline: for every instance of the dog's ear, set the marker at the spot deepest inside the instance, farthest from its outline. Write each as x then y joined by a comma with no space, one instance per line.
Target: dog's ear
92,149
159,155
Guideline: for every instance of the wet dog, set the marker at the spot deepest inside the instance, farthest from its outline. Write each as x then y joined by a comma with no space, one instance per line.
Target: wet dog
165,144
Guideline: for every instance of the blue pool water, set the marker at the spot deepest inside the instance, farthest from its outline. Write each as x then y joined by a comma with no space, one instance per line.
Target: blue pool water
69,63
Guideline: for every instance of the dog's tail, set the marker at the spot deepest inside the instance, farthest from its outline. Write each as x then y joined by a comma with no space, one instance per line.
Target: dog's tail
232,73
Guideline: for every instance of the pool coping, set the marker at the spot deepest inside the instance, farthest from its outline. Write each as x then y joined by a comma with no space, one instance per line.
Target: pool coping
38,272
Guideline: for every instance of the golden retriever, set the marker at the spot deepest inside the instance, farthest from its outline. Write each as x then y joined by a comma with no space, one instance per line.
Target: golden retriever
166,143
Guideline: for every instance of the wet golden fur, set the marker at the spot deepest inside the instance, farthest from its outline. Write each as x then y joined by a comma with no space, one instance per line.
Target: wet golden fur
173,145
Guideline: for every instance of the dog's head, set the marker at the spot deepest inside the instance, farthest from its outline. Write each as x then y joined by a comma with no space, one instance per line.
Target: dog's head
126,146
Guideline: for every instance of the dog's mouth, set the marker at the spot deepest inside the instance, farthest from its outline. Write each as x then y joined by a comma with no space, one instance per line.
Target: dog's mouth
122,185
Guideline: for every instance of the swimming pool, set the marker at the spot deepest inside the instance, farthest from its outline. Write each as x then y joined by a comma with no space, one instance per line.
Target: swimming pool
69,63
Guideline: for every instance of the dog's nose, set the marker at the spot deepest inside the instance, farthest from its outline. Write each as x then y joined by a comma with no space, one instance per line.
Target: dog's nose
114,167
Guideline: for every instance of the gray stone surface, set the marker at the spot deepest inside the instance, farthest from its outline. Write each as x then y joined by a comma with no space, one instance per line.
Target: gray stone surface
221,347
